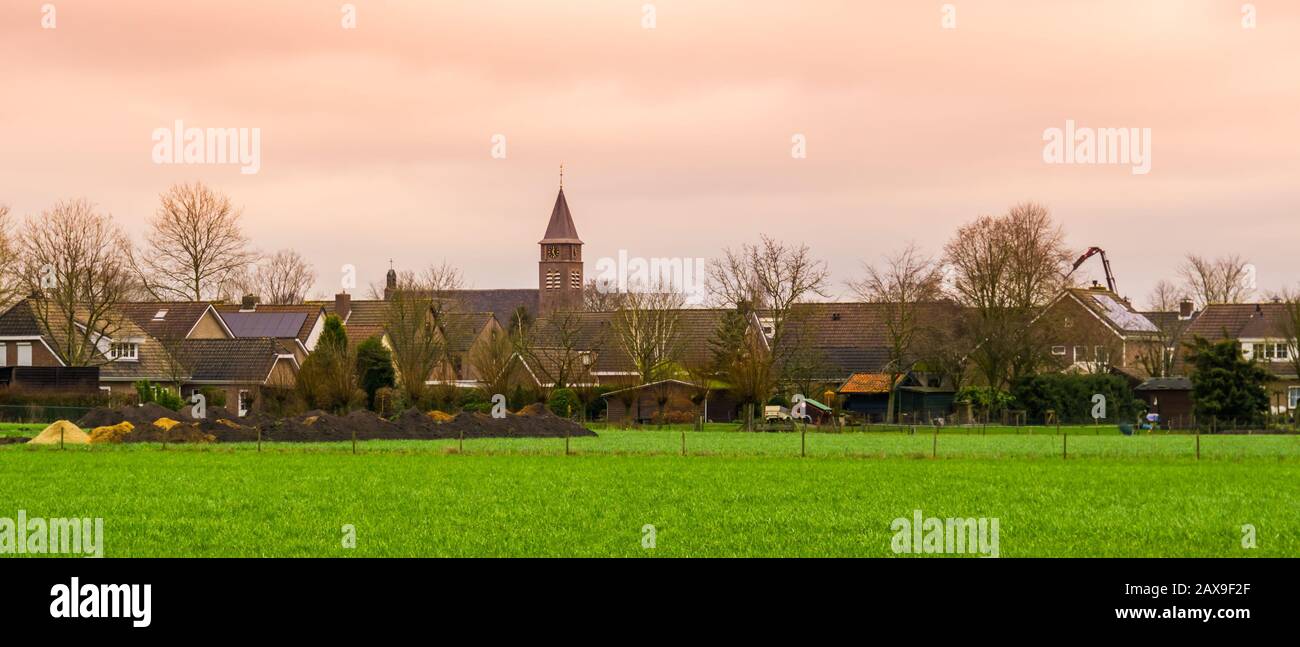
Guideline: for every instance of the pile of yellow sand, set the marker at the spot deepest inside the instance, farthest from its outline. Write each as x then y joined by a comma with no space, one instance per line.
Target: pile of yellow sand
71,433
166,423
439,416
111,433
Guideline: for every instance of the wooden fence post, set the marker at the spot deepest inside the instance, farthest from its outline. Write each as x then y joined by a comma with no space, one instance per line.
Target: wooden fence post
1065,441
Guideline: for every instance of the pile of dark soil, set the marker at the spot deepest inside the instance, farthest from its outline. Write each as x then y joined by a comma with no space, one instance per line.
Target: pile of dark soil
533,421
320,426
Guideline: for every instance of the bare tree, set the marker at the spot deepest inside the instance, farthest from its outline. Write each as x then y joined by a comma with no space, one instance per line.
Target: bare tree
9,283
1227,279
772,277
647,330
598,298
70,256
1005,269
1160,353
559,349
418,346
902,285
194,244
282,278
1288,325
493,359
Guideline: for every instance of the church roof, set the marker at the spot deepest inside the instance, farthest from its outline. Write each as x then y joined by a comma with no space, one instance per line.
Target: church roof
560,229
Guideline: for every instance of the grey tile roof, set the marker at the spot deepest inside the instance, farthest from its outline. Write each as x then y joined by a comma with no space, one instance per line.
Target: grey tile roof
246,360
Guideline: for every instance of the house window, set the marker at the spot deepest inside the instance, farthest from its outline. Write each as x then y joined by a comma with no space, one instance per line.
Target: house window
1281,351
245,402
24,353
575,280
552,280
1293,396
1101,354
129,351
4,354
1058,350
1080,353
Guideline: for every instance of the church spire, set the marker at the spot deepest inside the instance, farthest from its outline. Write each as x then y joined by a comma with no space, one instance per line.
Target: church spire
560,229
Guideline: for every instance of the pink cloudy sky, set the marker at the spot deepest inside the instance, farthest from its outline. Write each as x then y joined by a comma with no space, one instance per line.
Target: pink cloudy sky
376,141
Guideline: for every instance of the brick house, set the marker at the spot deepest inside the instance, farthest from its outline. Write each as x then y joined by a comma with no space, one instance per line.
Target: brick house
1094,330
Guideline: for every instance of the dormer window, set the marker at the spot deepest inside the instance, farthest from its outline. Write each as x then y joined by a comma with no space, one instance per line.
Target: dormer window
160,315
124,351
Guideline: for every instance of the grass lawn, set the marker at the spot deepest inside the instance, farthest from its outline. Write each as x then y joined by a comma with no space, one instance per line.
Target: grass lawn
737,494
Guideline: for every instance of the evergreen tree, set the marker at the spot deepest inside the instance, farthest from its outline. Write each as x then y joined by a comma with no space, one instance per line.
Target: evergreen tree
374,368
1226,386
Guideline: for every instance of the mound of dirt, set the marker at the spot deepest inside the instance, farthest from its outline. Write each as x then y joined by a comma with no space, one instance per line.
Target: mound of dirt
533,421
113,434
72,434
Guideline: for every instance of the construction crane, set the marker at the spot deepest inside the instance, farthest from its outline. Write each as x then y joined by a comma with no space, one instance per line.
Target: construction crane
1105,262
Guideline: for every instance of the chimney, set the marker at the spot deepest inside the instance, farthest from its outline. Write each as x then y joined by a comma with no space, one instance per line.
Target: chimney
248,303
1185,309
343,305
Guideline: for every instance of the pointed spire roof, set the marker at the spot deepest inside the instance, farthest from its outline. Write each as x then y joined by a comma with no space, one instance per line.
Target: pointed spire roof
560,229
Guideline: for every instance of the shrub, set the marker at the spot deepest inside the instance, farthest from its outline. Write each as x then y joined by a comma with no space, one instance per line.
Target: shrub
374,368
213,396
1070,395
563,402
387,401
158,394
985,398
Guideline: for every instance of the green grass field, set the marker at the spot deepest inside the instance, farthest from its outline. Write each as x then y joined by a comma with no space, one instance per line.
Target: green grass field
735,494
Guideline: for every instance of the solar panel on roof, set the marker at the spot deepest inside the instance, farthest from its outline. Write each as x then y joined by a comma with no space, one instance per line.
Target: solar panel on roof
265,324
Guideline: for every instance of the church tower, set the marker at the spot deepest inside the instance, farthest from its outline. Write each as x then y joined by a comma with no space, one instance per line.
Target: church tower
559,273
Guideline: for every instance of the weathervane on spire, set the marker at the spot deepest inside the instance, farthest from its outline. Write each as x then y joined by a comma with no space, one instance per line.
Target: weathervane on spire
561,175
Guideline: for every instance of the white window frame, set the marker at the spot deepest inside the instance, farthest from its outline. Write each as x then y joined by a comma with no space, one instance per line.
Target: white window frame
240,404
4,353
115,351
1058,350
1293,396
21,360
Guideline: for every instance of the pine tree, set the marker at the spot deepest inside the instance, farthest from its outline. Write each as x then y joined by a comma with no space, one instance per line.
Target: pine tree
1226,386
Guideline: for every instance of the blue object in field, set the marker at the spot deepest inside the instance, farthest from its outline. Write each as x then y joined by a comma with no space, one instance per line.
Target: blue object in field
1126,429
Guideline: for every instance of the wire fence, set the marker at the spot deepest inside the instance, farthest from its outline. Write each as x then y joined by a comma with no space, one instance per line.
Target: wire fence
950,443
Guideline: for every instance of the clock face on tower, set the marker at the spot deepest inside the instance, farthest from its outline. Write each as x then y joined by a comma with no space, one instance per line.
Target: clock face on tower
553,251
